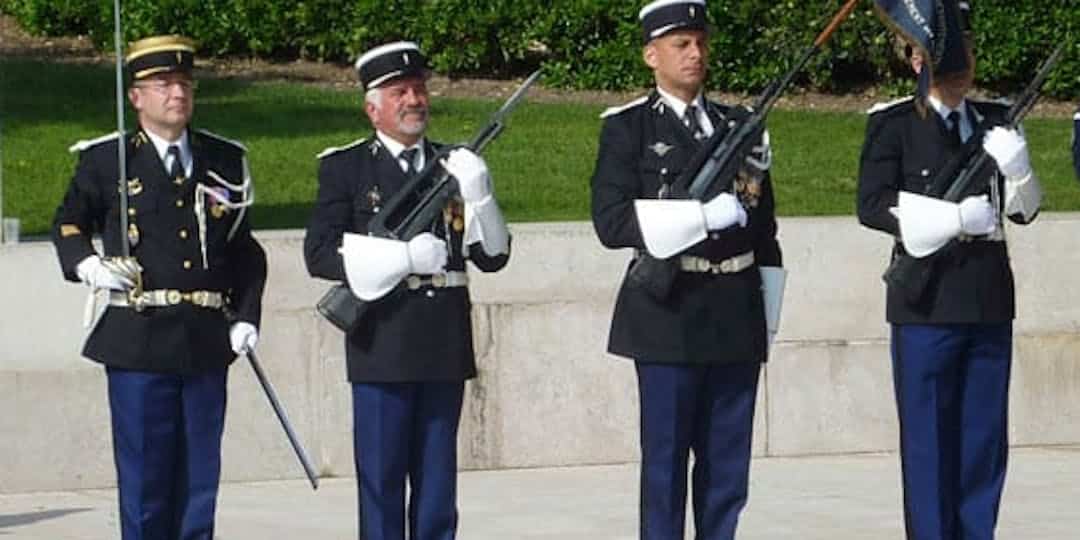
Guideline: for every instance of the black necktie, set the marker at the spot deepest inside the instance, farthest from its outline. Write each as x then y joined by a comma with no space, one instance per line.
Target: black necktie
410,161
954,128
176,170
690,119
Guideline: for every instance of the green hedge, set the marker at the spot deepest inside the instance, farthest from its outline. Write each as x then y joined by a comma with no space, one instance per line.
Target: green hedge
581,43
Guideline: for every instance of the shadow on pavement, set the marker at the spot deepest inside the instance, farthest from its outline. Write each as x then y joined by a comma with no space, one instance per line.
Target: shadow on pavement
8,521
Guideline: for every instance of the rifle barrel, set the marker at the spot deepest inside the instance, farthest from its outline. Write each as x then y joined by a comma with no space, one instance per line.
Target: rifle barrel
1014,116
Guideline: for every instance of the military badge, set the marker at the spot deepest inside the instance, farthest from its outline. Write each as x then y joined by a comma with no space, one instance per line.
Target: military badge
661,148
216,198
748,189
374,199
454,214
134,186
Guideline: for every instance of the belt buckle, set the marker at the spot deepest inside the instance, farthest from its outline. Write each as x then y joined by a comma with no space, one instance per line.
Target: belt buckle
413,282
173,297
438,280
137,300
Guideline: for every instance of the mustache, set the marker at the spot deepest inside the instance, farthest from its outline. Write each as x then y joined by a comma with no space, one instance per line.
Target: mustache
422,111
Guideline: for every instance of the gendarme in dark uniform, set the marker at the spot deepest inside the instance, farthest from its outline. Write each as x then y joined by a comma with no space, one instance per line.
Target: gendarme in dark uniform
951,349
354,182
644,145
412,352
697,352
165,336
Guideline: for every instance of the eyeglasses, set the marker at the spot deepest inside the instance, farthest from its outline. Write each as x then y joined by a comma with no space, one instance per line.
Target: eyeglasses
162,87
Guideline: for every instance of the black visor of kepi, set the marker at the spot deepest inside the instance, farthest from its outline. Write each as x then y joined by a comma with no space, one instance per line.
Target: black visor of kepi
663,16
159,54
391,61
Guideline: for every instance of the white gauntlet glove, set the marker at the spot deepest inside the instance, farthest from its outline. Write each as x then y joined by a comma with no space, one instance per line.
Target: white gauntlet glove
1009,150
471,173
723,211
669,226
427,254
99,273
1023,194
977,217
242,337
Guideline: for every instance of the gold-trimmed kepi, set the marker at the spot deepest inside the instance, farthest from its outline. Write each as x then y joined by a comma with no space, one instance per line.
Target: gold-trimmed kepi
159,54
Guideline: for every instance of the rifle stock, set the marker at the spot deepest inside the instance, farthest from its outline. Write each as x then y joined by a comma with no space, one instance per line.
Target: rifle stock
714,168
401,220
910,275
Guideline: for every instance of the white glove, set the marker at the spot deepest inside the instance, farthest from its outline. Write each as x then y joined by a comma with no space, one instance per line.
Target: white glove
101,275
242,337
373,265
723,211
427,254
1009,150
471,173
977,217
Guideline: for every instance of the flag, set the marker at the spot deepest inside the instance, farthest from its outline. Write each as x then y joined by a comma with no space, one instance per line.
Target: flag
936,28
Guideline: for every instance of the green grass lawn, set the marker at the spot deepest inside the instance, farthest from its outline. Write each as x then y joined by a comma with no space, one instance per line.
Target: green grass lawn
541,164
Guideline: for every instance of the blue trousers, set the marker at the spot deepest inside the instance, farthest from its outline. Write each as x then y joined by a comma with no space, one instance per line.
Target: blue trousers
407,431
952,394
167,447
708,410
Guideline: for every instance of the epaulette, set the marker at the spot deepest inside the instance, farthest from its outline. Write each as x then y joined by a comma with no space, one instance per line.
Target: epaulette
212,135
879,107
616,110
83,145
336,149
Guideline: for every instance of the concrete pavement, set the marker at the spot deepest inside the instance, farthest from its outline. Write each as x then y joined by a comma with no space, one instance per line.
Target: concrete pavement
831,497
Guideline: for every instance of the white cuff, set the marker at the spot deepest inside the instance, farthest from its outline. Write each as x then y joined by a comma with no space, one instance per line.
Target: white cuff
373,265
484,223
1023,196
669,226
773,280
926,223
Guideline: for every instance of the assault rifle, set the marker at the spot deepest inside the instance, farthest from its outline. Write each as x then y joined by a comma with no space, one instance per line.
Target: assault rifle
911,275
400,219
714,168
